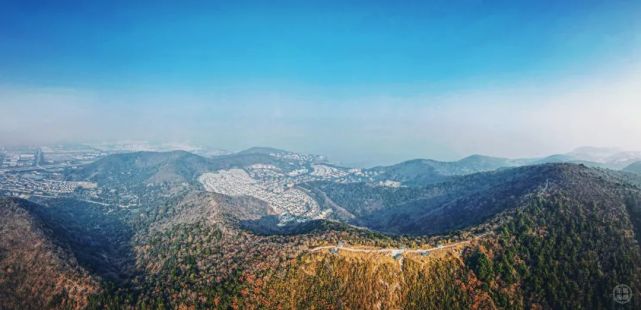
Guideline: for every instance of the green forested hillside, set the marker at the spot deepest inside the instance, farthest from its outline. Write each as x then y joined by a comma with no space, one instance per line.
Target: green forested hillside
37,268
554,253
545,237
564,245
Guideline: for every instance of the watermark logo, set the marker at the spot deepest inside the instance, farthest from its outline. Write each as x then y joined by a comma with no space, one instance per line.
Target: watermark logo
622,294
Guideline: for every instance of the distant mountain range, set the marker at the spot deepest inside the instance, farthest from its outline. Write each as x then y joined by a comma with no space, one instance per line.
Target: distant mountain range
385,199
140,168
178,166
182,166
426,171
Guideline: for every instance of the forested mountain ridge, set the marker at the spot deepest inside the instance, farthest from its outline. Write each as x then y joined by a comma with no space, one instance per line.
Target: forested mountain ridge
37,268
543,236
175,167
427,171
459,202
554,252
533,257
140,168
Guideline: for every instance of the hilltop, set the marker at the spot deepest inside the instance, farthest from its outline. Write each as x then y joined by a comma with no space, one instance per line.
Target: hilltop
137,168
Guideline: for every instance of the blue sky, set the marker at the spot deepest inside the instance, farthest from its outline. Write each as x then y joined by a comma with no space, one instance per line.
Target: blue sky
346,78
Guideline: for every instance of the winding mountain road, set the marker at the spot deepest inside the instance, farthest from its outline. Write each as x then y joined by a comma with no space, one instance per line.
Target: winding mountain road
395,251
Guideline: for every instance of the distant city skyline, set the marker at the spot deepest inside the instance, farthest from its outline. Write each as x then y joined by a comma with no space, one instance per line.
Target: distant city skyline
363,83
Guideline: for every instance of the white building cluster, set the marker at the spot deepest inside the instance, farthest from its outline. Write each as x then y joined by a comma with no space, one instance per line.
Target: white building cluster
285,199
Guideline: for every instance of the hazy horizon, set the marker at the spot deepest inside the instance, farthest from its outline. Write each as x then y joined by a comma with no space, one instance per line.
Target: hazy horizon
359,82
